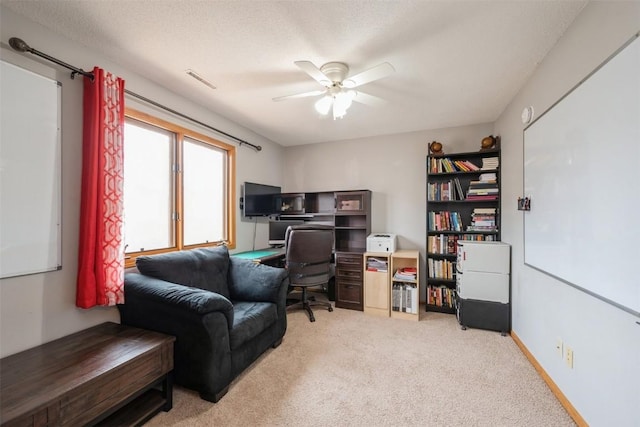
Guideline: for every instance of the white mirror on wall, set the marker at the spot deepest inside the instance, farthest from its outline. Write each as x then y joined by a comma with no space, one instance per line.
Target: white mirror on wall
30,172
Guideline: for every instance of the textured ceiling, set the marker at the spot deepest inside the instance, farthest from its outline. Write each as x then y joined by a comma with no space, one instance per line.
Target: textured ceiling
456,62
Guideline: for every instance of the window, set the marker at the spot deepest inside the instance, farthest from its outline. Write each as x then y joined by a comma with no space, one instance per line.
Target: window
178,188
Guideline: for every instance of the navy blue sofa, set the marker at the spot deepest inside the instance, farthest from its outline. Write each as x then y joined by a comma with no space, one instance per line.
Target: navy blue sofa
224,312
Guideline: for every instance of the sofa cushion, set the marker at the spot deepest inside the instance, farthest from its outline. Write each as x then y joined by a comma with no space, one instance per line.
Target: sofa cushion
249,320
249,281
204,268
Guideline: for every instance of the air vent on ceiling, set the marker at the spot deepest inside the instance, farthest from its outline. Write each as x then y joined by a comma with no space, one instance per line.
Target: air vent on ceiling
199,78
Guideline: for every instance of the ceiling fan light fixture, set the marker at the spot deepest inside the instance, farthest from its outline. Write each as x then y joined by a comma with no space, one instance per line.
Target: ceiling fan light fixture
337,112
323,105
342,101
339,90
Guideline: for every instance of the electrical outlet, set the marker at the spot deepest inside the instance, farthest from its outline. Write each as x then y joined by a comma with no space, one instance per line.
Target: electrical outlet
568,357
559,347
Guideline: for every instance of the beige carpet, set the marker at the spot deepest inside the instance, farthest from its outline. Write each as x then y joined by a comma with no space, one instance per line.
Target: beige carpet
349,368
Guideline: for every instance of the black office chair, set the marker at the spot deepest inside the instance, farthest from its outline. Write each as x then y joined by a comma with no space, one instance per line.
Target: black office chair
308,250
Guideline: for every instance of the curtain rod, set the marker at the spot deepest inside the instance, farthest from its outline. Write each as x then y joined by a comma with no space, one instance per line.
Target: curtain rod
21,46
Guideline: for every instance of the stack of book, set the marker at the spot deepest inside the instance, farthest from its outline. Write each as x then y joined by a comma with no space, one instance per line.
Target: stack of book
490,163
486,188
406,273
377,264
483,219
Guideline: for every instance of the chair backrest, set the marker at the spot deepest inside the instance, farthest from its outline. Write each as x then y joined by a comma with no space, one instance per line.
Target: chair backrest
308,250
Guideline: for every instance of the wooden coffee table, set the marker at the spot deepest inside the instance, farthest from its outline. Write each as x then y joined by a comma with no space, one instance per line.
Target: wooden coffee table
109,374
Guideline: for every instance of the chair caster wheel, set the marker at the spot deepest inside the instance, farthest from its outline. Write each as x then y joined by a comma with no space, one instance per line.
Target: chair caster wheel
330,308
464,328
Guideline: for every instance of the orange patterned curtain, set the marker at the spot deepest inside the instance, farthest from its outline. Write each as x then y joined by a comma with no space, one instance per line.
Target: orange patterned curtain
101,248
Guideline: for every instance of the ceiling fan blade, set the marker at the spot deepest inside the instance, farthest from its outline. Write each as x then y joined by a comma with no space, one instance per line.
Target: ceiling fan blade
375,73
365,98
309,68
300,95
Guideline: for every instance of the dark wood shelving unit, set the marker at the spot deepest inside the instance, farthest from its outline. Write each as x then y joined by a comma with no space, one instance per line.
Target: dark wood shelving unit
350,214
464,208
352,226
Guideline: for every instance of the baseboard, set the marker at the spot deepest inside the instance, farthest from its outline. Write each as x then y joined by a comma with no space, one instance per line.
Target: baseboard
573,413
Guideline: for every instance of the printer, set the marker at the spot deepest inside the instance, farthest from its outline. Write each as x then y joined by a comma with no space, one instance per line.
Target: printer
381,242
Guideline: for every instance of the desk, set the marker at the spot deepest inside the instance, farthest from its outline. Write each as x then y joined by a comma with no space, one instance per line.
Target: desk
268,256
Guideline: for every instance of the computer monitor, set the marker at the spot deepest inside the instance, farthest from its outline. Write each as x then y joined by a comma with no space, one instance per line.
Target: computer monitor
278,229
259,199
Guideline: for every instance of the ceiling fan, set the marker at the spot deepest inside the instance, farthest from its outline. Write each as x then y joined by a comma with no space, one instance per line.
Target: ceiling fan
339,90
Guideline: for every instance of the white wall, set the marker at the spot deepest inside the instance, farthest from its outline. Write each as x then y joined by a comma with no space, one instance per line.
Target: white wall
393,167
603,384
41,307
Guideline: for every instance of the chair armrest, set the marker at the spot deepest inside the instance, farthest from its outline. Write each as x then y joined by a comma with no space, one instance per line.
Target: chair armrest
200,320
249,281
146,292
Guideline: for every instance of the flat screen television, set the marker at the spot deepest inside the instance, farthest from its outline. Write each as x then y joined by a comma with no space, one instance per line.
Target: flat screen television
278,229
260,199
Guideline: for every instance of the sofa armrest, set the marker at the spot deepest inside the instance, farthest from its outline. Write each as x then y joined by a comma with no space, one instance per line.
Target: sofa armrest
143,291
200,320
249,281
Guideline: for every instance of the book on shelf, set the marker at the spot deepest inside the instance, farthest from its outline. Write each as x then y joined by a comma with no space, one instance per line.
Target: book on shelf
446,165
470,166
482,191
484,221
445,190
488,177
465,166
459,188
461,166
484,211
441,296
444,221
482,197
482,227
442,244
404,298
483,184
440,269
478,237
